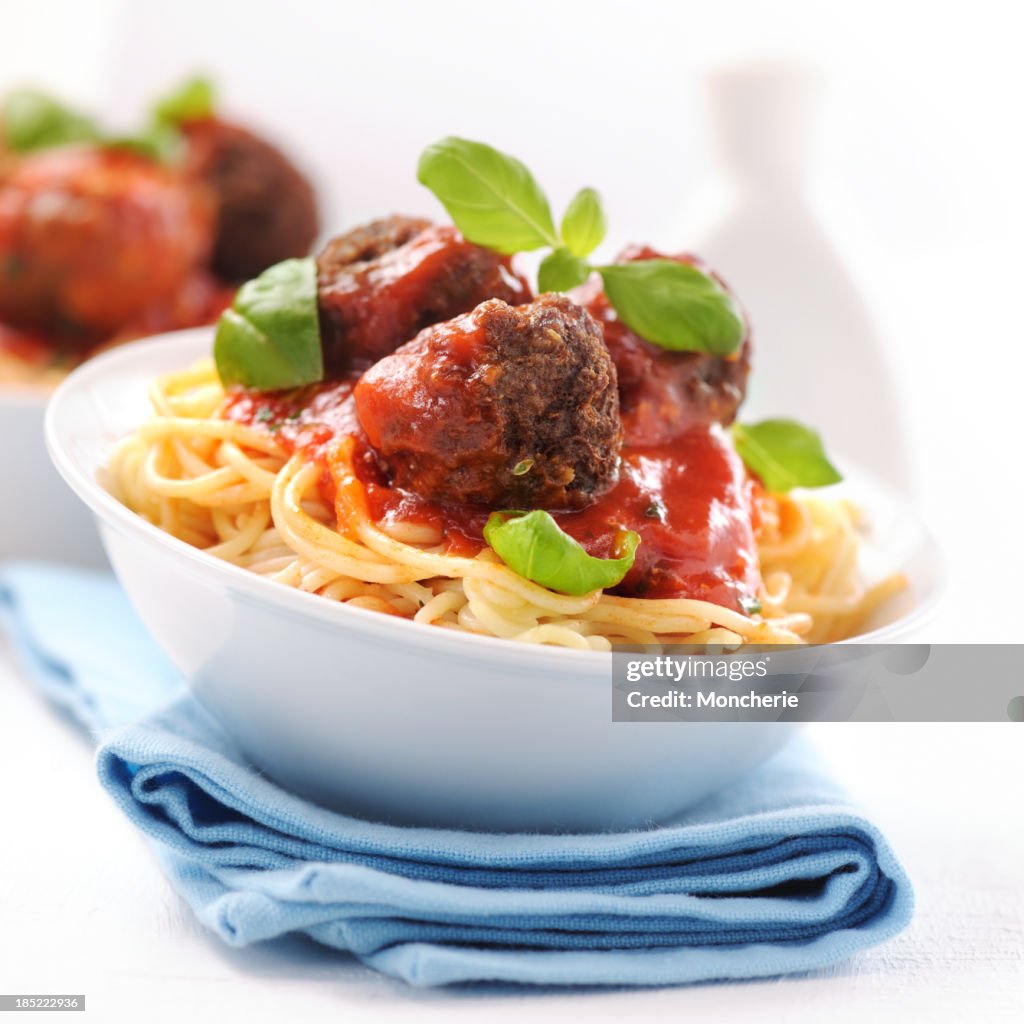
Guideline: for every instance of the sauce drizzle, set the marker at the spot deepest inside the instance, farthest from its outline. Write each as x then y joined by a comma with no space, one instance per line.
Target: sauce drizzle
689,499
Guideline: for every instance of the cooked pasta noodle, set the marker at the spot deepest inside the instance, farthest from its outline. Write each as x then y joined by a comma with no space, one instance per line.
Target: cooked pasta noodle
236,492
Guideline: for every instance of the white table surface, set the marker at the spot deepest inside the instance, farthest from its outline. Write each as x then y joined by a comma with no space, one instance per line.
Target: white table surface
84,907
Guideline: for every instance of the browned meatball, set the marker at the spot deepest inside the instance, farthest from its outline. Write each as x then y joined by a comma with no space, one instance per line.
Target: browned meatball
663,393
266,209
91,238
507,406
382,283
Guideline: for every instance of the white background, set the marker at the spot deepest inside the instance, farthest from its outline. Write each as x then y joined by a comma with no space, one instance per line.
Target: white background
914,177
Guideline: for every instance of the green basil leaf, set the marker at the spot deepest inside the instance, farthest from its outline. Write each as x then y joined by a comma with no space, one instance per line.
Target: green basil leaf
533,545
161,142
674,305
784,454
560,270
270,337
193,100
493,199
32,120
584,225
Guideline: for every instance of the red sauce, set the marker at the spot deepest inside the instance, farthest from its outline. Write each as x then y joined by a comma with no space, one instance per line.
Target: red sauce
309,420
690,500
34,349
305,419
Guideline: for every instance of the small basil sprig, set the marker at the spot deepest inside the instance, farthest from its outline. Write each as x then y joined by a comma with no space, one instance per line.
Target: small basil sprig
158,142
33,120
496,202
270,337
784,454
582,230
193,100
492,194
583,224
674,305
560,271
162,138
533,545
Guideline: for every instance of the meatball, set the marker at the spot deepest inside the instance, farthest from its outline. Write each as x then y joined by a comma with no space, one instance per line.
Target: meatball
382,283
507,407
90,238
663,393
266,209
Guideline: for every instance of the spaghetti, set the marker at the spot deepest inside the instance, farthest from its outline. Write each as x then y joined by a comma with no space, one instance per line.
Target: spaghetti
239,493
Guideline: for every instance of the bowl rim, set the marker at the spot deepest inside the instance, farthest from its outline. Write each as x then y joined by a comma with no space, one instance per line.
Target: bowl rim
238,580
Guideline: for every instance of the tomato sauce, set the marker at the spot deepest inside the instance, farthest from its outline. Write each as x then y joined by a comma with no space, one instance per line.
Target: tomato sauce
32,349
310,420
92,237
689,499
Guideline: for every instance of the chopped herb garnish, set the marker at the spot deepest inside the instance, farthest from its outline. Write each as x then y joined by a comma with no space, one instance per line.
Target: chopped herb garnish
522,468
750,605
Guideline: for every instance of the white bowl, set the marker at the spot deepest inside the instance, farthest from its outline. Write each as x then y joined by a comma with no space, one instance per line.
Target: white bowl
40,517
380,716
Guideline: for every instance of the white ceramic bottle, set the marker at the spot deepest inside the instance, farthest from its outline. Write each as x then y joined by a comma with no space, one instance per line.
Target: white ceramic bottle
817,356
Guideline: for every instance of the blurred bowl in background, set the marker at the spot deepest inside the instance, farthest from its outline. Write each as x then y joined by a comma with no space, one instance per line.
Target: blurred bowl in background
40,517
103,242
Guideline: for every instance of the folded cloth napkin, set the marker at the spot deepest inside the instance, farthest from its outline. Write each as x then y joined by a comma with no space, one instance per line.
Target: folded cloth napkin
776,874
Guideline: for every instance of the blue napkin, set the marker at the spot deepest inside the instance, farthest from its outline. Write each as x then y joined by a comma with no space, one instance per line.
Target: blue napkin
776,874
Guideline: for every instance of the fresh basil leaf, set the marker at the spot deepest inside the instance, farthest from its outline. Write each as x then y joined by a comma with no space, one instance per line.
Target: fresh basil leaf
270,337
533,545
784,454
161,142
584,225
560,270
193,100
674,305
32,120
493,199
